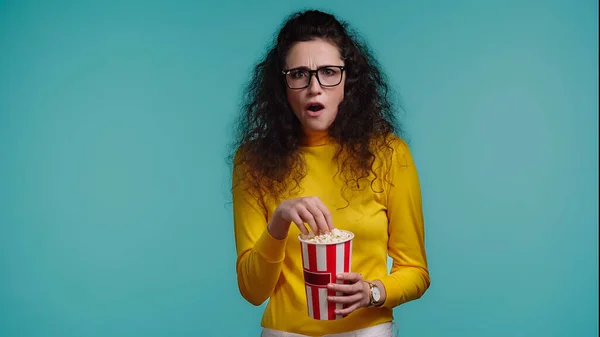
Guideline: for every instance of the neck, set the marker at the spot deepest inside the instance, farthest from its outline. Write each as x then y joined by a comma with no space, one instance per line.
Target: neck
315,138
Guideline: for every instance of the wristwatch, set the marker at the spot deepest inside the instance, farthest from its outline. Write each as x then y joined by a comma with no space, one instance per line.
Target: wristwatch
374,294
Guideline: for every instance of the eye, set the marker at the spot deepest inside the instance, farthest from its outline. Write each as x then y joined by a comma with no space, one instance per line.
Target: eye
329,71
298,73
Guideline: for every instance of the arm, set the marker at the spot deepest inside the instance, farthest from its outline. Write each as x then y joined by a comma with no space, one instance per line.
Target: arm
259,254
409,277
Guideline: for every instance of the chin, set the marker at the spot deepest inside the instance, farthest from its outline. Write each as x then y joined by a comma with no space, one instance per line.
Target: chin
316,127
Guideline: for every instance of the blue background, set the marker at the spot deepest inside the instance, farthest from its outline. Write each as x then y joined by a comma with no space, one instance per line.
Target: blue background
115,118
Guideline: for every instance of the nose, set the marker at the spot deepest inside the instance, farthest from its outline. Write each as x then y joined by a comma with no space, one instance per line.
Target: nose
314,88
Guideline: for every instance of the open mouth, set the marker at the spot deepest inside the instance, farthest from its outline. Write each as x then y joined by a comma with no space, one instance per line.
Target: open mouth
314,107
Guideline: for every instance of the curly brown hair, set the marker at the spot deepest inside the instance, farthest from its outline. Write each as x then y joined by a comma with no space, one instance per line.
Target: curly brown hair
268,133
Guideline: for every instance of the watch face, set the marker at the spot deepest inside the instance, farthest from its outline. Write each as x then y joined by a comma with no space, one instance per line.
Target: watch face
376,294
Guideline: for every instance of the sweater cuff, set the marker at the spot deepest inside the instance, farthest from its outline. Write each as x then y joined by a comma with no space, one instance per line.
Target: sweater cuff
271,249
393,291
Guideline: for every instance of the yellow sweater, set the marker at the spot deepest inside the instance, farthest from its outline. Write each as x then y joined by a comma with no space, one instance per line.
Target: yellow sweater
384,223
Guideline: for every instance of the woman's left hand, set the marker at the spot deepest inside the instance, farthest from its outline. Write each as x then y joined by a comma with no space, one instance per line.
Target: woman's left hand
355,295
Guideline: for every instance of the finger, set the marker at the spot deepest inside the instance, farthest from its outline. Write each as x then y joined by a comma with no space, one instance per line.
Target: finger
350,277
325,212
299,223
346,288
317,215
346,299
307,216
348,310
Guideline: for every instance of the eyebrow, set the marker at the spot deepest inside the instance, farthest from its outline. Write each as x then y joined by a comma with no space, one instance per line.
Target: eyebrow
319,67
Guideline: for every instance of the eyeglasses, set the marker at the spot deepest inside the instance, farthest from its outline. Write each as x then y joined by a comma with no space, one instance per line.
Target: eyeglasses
299,78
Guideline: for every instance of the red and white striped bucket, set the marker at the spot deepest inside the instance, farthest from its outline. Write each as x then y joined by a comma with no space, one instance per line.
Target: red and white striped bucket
321,263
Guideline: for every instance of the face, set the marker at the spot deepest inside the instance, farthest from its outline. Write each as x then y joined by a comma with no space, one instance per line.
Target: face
315,106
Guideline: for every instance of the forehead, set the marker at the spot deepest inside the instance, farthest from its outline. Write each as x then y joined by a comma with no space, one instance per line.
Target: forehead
313,53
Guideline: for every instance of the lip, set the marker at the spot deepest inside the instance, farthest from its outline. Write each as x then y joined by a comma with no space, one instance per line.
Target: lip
314,103
314,113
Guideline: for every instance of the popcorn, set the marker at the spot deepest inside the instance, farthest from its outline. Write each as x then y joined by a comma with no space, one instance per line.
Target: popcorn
334,236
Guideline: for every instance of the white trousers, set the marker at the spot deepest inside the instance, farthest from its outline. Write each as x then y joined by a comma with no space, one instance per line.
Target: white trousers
380,330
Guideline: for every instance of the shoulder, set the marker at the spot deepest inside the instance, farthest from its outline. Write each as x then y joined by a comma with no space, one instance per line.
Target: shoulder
241,157
393,149
240,167
398,144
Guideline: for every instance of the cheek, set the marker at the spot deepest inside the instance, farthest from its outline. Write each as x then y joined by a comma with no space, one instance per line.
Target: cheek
340,90
339,94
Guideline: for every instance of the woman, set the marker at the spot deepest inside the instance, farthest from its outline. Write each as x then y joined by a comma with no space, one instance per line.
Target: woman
317,150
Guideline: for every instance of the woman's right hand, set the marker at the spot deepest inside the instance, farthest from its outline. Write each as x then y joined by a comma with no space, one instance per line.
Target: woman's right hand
308,210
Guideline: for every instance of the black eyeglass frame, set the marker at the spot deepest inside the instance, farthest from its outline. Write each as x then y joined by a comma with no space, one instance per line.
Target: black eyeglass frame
310,76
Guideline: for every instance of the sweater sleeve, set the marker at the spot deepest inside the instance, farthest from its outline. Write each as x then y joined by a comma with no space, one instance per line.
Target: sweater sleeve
259,255
409,276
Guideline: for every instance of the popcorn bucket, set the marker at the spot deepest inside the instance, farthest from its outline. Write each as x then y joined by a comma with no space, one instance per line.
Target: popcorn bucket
321,262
